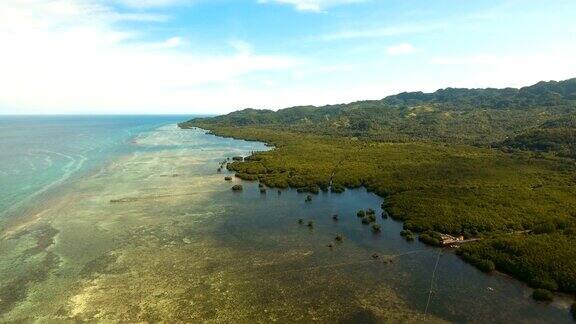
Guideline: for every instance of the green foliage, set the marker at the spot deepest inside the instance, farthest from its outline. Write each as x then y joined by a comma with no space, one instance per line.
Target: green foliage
558,136
449,189
408,149
542,295
430,238
337,188
483,265
407,235
467,116
543,261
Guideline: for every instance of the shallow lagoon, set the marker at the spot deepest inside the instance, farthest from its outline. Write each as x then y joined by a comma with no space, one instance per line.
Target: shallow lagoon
181,246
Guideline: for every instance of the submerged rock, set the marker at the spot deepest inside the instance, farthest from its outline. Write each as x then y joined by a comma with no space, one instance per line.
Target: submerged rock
228,178
339,238
335,217
376,228
237,188
308,198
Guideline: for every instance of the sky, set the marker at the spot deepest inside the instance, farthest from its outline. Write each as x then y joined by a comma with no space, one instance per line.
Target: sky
217,56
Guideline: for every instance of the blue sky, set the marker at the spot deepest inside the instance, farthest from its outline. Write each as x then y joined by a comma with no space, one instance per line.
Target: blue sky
200,56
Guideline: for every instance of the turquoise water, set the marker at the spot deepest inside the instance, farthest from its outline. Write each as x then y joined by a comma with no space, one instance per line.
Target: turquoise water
40,153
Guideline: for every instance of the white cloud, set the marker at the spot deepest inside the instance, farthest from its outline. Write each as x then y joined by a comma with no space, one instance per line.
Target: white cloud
401,49
382,31
312,5
70,56
152,3
242,47
510,70
468,60
173,42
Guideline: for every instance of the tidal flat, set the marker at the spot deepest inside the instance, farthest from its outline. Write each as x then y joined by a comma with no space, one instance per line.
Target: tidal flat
157,235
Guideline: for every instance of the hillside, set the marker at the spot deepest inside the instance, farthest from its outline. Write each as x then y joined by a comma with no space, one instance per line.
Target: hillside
558,136
467,116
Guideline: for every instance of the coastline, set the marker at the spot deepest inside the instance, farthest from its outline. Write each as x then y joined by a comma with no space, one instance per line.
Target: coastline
165,236
160,235
467,254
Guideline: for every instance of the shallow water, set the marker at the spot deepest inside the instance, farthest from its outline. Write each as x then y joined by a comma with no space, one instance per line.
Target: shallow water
157,234
40,153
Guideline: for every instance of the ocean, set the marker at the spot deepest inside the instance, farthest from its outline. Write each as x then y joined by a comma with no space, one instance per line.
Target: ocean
40,153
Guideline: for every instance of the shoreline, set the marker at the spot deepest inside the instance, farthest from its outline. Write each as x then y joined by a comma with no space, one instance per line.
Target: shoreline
185,240
387,206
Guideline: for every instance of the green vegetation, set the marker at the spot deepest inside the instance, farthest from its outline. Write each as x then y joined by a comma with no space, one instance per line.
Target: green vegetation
407,235
337,189
482,117
370,218
456,161
542,295
430,238
482,264
557,136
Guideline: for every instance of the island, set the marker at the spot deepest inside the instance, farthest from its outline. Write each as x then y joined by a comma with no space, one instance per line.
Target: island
493,167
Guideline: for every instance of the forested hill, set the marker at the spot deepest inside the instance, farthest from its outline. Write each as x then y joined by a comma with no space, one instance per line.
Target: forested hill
469,116
520,205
